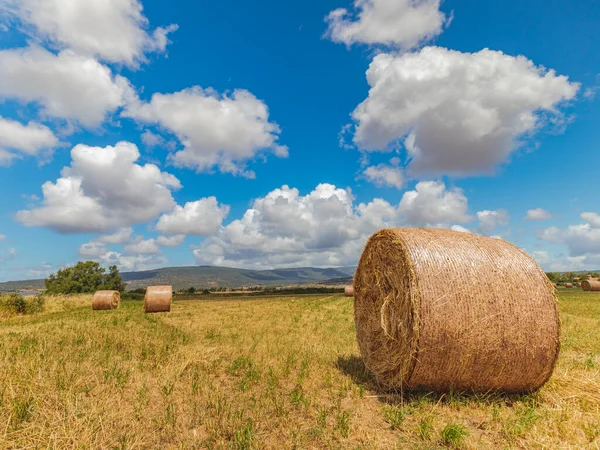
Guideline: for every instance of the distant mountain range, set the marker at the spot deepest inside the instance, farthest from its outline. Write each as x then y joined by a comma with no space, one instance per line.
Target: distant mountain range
211,276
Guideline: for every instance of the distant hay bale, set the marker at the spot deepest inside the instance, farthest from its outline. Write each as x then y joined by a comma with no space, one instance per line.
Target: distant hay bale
349,291
105,300
442,310
158,299
568,285
590,285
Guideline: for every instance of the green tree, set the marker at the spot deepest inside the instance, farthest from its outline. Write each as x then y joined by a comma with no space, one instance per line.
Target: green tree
84,277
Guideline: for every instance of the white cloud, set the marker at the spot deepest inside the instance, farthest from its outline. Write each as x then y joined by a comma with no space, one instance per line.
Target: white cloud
399,23
592,218
145,247
538,214
2,237
324,227
581,240
432,205
541,257
132,262
92,250
216,130
385,175
460,229
122,236
67,86
489,221
17,140
172,241
114,30
151,139
200,218
103,190
457,113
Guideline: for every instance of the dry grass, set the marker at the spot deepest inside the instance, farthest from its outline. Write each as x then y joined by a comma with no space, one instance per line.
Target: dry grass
263,373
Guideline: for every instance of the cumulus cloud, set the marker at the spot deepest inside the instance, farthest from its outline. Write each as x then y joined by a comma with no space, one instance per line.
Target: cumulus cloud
457,113
489,221
323,228
144,247
400,23
18,140
131,262
582,240
385,175
2,237
67,86
171,241
432,205
538,214
113,30
122,236
200,218
217,131
103,190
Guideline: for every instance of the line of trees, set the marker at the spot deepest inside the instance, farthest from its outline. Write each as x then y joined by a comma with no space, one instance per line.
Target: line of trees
571,277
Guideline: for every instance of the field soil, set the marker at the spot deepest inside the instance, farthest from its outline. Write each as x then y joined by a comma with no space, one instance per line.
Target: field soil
272,372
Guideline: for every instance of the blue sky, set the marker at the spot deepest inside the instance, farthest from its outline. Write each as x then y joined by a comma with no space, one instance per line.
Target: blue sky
269,133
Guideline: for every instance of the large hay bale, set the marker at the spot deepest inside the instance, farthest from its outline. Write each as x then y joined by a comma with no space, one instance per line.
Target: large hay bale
568,285
105,300
590,285
158,299
349,291
441,310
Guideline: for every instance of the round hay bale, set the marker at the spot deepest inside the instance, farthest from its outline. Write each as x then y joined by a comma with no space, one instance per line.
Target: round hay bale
158,299
568,285
349,291
442,310
105,300
590,285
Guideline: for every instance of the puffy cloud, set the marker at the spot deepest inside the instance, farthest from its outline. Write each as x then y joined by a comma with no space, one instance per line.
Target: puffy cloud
92,250
2,237
538,214
432,205
216,130
399,23
122,236
114,30
132,262
103,190
324,227
460,229
12,254
592,218
457,113
145,247
388,175
200,218
67,85
172,241
17,139
489,221
581,240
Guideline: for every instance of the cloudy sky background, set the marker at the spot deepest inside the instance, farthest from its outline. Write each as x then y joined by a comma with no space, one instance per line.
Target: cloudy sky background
276,134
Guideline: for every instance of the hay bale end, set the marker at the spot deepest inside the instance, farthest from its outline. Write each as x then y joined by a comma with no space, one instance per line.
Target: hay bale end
158,299
106,300
591,286
442,310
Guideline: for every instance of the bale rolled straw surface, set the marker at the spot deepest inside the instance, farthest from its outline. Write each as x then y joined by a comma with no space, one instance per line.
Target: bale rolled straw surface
158,299
349,291
442,310
105,300
589,285
568,285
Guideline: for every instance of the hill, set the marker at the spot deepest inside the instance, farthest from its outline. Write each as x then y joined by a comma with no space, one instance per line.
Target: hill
211,276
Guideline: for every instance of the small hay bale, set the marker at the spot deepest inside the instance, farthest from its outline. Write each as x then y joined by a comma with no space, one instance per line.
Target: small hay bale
590,285
442,310
349,291
568,285
105,300
158,299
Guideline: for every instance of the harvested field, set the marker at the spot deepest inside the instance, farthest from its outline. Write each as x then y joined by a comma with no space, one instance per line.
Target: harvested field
264,373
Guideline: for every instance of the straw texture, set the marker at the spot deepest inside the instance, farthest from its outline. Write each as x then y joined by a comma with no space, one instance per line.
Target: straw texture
104,300
158,299
441,310
589,285
568,285
349,291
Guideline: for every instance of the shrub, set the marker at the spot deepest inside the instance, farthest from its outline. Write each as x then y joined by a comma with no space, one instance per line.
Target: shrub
17,304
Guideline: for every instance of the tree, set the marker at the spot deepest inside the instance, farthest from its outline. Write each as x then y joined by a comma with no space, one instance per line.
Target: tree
85,277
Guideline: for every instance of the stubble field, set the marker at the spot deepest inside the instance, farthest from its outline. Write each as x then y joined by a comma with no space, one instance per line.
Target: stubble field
263,373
